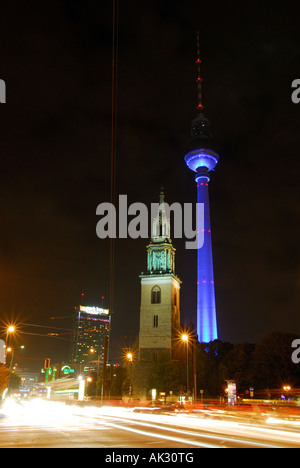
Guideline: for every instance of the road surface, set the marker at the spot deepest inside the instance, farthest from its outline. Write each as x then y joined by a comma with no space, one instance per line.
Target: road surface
46,424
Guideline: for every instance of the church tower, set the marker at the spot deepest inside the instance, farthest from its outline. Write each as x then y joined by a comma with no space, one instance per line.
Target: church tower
160,292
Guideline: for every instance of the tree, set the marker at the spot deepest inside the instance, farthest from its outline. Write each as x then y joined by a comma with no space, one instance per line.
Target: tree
167,375
4,378
273,365
237,365
209,366
116,382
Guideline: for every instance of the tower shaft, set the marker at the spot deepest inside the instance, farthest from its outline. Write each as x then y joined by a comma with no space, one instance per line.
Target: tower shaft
206,305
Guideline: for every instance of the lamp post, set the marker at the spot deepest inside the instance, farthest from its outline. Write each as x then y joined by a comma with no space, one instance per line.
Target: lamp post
286,389
105,352
12,351
129,357
8,349
92,350
185,339
11,329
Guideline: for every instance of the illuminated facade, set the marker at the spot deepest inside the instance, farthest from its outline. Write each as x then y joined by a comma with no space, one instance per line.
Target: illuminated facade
201,158
160,293
91,325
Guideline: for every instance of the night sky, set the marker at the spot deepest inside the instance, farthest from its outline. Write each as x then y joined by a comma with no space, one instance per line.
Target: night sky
55,130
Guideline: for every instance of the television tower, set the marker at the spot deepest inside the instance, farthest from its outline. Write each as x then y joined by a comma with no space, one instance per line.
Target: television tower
201,158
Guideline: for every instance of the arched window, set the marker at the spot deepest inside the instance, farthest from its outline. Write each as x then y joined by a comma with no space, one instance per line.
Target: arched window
155,295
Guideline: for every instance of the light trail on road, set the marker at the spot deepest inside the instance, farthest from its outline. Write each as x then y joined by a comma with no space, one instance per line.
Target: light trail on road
106,427
217,430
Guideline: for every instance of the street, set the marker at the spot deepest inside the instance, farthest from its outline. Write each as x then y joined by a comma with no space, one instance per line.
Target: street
46,424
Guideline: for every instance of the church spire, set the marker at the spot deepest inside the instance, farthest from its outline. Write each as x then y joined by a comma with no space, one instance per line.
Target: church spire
160,251
161,223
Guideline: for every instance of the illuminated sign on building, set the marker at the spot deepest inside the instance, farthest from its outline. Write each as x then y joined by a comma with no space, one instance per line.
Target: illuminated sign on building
67,370
94,310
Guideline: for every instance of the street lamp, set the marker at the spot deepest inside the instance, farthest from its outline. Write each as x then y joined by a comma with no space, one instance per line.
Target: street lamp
10,329
185,339
12,351
92,350
129,357
286,389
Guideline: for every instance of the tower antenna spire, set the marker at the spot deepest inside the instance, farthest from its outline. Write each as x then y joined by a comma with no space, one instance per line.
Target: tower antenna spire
201,158
199,80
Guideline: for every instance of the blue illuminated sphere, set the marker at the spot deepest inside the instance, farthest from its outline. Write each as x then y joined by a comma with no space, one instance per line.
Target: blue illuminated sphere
201,158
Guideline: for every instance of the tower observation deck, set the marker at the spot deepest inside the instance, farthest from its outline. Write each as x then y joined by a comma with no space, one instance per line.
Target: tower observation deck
202,159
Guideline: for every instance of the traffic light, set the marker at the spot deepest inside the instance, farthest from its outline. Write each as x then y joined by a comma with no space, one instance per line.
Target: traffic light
47,363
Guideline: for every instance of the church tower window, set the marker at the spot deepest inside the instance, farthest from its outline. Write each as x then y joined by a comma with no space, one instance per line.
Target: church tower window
156,295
